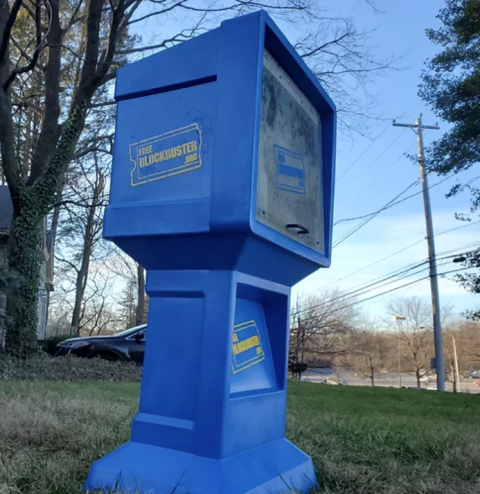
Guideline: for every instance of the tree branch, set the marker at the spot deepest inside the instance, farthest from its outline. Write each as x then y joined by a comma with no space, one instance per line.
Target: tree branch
24,54
36,54
103,104
88,77
290,6
117,17
5,42
81,204
7,142
163,44
320,48
72,20
50,129
152,14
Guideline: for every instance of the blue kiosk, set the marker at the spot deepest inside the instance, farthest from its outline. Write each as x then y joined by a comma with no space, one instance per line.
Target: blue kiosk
222,188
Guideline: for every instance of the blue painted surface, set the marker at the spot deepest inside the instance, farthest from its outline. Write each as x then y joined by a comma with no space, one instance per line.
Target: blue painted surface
211,415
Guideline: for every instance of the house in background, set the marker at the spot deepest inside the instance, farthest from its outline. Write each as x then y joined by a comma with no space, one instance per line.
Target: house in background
46,269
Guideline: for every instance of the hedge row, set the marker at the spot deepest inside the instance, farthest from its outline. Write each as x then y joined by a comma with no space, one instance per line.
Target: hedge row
42,367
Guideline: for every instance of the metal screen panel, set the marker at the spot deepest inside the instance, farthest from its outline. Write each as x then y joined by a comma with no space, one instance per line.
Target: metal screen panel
289,187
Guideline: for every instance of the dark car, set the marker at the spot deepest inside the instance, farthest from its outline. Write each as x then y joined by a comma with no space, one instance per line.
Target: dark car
128,345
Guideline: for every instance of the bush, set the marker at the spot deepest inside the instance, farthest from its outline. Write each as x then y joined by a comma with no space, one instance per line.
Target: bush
42,367
49,345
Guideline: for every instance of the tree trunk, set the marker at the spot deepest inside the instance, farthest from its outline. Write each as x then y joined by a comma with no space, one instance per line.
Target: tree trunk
79,293
417,374
24,272
140,316
31,205
303,344
53,233
82,274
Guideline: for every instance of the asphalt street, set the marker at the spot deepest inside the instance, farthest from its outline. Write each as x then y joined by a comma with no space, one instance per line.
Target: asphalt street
384,380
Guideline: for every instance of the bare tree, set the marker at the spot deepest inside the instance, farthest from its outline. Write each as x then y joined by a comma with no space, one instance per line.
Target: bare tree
133,303
141,295
80,228
414,331
368,352
127,306
56,61
467,343
35,183
342,60
98,314
470,342
319,329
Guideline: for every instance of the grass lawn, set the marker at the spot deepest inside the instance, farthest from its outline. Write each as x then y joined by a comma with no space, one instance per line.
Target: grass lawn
362,440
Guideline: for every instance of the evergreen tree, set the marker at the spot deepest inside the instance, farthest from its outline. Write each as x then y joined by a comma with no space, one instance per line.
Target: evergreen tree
451,86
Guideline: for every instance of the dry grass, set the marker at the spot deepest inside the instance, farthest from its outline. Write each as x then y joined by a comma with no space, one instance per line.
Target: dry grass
50,433
362,441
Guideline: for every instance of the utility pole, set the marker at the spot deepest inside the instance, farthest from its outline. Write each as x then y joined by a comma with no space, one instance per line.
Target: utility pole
399,319
437,325
457,374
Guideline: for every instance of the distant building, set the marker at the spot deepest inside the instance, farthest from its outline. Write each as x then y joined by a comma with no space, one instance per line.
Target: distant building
46,269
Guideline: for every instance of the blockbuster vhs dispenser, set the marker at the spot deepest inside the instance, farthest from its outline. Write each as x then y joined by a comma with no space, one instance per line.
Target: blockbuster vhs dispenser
222,189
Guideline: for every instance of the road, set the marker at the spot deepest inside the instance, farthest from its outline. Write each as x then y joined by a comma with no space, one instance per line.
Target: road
385,380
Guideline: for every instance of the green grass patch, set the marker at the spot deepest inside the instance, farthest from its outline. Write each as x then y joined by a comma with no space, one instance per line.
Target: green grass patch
362,440
387,441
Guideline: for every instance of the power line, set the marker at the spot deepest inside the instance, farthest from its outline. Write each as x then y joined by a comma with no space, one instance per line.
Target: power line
379,294
362,154
387,280
408,267
399,288
370,265
386,170
402,250
387,206
372,216
405,271
393,204
398,252
373,142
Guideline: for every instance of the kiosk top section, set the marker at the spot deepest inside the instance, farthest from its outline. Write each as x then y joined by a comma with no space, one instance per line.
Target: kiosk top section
189,64
227,133
196,61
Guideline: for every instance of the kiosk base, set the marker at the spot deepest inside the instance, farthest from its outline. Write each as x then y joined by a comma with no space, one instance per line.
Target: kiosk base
136,468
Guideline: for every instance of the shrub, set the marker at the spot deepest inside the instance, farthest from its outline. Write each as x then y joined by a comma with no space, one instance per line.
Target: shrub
49,345
42,367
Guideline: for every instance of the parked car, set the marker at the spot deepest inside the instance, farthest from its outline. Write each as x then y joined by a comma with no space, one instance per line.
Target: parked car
128,346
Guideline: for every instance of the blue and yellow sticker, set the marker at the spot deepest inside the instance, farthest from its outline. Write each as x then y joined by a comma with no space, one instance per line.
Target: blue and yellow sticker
166,155
290,170
247,349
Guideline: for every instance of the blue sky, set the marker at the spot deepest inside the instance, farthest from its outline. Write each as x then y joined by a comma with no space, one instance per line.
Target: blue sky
381,170
372,170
